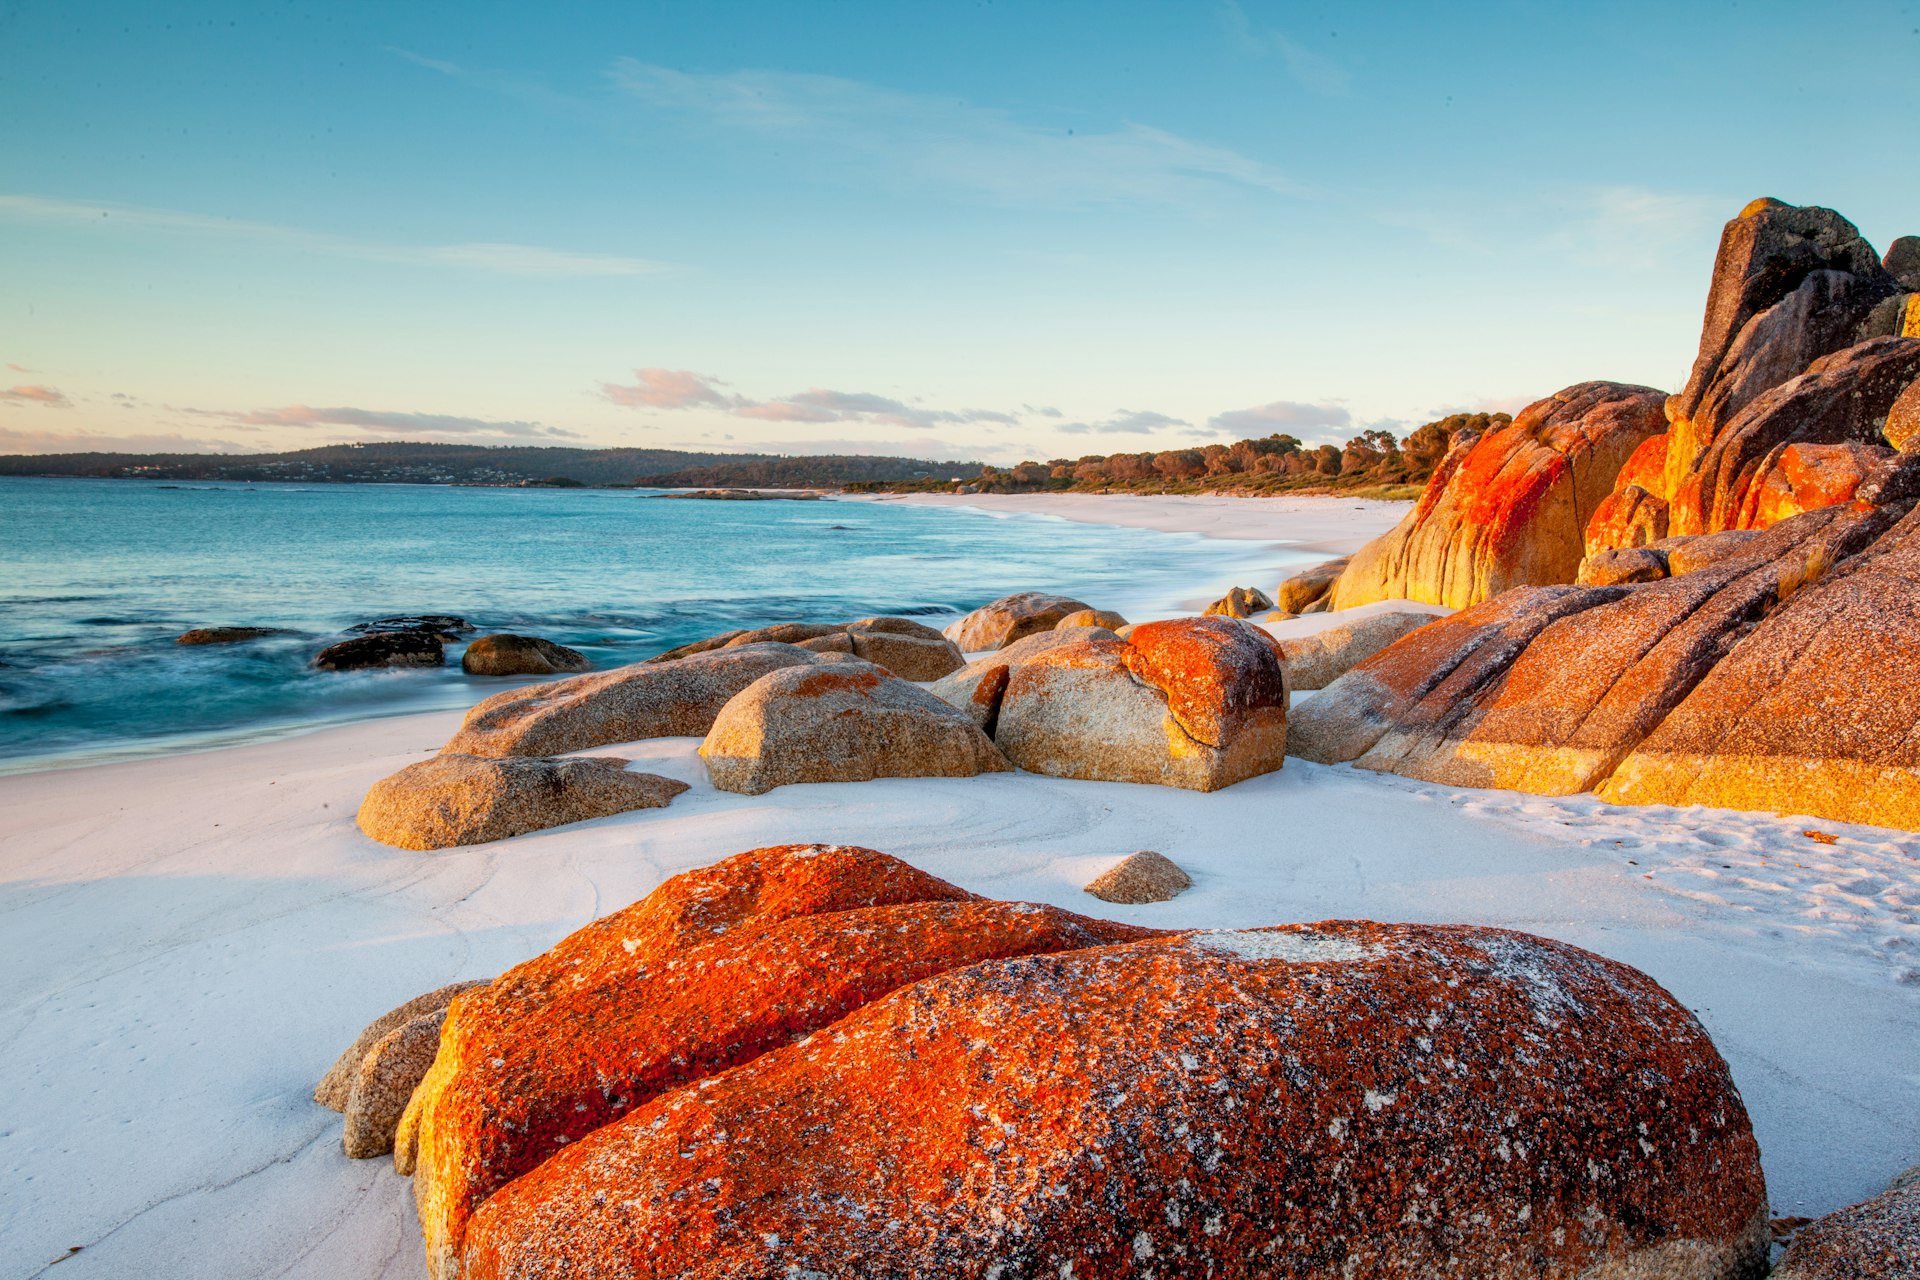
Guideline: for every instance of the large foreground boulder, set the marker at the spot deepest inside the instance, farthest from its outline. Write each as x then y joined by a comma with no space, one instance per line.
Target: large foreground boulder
1334,1100
909,649
1511,507
455,799
1010,618
715,968
511,655
1199,703
647,700
847,721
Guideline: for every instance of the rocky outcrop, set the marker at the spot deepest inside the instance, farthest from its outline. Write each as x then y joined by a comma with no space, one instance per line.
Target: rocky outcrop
715,968
383,649
1840,398
1903,262
1316,661
1740,682
1878,1239
1199,703
1394,1101
1812,711
1105,619
978,687
1241,602
1309,586
228,635
455,799
445,625
911,650
1796,478
627,704
1509,508
511,655
1010,618
1140,878
1703,551
841,722
1789,285
337,1085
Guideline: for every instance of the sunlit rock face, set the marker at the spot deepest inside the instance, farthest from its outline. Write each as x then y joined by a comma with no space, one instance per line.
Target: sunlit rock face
1509,508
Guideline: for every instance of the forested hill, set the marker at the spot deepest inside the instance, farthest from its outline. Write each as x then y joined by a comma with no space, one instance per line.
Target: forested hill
825,470
480,464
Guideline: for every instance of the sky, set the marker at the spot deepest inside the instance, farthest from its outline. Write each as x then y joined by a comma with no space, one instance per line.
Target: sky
979,231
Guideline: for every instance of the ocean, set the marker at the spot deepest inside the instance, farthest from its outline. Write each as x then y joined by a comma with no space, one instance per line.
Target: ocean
97,578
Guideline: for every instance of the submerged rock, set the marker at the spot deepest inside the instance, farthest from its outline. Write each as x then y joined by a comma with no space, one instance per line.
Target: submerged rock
511,655
383,649
1010,618
228,635
444,625
455,799
844,722
1140,878
626,704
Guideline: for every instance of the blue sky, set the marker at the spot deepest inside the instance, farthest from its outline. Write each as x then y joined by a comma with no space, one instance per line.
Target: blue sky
981,230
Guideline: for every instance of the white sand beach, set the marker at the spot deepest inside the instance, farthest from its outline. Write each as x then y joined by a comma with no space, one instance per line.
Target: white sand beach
190,940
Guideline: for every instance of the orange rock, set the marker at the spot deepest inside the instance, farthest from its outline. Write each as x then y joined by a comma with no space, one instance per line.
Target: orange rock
1512,507
712,970
1628,517
1347,1098
1805,477
1646,466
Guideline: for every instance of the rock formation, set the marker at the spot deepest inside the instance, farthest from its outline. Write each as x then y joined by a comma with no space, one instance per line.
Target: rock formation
1309,586
1010,618
1509,508
841,722
383,649
455,799
978,687
1199,703
511,655
647,700
1106,619
227,635
1241,602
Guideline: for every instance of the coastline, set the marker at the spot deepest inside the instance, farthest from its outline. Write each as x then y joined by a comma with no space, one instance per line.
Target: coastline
193,937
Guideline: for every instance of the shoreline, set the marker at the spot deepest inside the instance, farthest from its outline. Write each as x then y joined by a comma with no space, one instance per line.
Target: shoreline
195,936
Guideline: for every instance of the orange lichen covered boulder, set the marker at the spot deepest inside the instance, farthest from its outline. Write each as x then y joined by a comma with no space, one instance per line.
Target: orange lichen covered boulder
1341,1099
1199,703
712,970
1628,517
1510,508
1795,478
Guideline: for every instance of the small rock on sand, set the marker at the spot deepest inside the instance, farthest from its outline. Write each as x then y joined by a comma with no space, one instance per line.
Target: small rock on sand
1140,877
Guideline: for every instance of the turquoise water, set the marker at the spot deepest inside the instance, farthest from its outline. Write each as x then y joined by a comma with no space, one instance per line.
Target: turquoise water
97,577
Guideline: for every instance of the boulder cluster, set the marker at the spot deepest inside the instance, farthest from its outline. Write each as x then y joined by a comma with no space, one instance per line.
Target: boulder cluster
1730,622
817,1060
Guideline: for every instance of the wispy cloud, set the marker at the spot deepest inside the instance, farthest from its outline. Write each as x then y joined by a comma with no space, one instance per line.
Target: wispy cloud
388,422
1286,416
684,389
953,143
44,442
18,368
497,259
1136,422
1314,72
50,397
667,389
